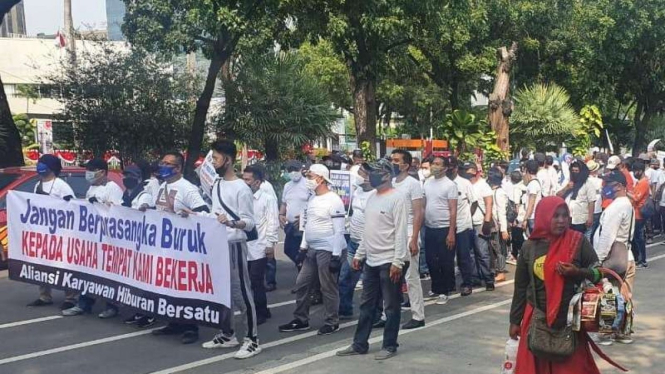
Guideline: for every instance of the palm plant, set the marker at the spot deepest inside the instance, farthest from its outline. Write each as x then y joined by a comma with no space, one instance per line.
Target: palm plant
542,116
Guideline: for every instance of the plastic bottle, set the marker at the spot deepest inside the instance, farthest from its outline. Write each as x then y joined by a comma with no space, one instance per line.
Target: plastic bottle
510,357
607,286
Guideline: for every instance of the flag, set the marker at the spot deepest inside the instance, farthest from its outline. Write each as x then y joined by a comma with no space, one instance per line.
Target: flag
59,40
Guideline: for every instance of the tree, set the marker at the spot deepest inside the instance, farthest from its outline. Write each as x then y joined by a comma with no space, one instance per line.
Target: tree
543,116
123,100
213,27
26,129
11,153
273,101
363,32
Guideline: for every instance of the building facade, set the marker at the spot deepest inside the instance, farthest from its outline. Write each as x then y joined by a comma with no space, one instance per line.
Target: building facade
13,25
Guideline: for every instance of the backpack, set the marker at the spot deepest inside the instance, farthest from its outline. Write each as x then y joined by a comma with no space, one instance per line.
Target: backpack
511,212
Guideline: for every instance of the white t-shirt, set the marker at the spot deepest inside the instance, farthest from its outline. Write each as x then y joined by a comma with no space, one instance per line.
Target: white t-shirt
533,188
579,208
617,224
56,188
144,197
545,182
152,186
324,224
176,196
554,178
238,197
267,224
437,194
481,190
357,221
413,191
295,196
267,187
597,184
109,193
519,190
464,202
499,204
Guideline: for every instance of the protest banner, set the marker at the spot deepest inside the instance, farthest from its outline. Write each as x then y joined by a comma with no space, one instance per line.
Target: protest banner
157,263
341,184
207,175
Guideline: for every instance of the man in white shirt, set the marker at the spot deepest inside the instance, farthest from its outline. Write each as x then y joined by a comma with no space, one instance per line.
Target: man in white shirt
410,187
102,191
580,195
553,174
323,248
500,232
543,175
516,231
177,195
348,277
267,223
441,197
482,223
294,201
233,206
383,255
597,183
464,234
48,170
533,195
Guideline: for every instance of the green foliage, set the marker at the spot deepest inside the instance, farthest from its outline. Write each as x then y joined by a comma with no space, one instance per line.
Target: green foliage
26,128
589,131
366,148
466,134
542,116
322,62
273,101
124,100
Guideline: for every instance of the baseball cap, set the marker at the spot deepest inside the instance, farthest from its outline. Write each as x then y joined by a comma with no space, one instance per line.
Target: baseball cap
615,177
654,161
133,171
592,165
613,162
320,170
294,164
97,164
381,165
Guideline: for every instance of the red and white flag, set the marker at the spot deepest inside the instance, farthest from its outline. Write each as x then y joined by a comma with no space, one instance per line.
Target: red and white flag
59,40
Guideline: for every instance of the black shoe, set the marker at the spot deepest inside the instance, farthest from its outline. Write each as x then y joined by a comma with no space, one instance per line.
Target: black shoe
328,329
295,325
379,324
406,305
413,324
489,287
67,305
133,320
167,330
40,302
146,321
271,287
189,337
294,291
466,291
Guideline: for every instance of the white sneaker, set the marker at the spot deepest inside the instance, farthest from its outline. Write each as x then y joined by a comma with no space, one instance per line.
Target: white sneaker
221,341
248,349
443,299
432,296
359,285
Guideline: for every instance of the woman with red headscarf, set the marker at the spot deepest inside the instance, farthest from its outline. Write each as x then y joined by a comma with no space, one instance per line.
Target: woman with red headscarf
559,259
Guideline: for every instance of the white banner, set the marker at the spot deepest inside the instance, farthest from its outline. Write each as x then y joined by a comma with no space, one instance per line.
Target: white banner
207,175
159,263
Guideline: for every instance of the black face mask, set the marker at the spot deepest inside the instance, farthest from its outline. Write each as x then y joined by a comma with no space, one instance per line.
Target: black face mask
221,171
376,179
130,183
575,177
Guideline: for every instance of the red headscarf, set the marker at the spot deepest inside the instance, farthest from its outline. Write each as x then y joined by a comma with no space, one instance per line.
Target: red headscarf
562,249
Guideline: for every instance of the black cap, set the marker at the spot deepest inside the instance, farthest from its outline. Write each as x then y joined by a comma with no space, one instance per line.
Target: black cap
469,166
615,176
133,171
53,163
97,164
451,162
294,165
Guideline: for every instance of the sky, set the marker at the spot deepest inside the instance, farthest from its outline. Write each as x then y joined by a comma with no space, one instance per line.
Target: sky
46,16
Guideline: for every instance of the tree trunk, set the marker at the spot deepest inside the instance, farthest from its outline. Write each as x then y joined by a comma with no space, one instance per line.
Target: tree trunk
70,38
644,112
11,152
272,150
364,111
202,106
500,105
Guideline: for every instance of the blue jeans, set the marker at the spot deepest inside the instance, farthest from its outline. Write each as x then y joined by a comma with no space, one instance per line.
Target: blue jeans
639,247
271,272
423,260
463,247
482,257
348,278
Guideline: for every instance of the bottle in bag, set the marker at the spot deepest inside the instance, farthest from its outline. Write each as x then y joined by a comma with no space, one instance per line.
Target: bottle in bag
510,357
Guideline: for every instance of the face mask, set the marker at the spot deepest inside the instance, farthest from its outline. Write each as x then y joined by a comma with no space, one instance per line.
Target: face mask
358,180
251,187
437,171
376,179
426,173
221,171
608,192
130,183
90,176
295,176
396,169
166,172
42,169
311,184
575,176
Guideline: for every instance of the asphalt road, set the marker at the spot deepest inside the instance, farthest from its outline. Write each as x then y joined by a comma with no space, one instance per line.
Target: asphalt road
465,336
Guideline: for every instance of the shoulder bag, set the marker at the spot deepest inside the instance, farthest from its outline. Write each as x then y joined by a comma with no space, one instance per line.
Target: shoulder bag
252,234
617,259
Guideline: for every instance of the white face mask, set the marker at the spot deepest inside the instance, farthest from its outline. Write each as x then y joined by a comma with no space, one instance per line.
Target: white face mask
311,184
424,174
90,176
358,180
295,176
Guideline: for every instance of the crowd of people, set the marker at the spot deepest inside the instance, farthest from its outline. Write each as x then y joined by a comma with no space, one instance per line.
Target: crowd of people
439,219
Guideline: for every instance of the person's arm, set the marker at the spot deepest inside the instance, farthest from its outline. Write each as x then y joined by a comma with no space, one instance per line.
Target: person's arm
530,207
489,201
522,282
400,220
502,202
450,241
273,222
338,217
418,217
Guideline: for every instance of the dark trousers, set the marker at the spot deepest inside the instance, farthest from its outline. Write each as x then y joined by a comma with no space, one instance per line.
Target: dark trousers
376,283
639,243
463,248
292,243
271,271
440,260
348,278
661,213
257,270
516,240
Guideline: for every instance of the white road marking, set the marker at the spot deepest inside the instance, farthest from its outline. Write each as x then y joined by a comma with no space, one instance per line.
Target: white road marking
73,346
290,339
29,321
377,339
